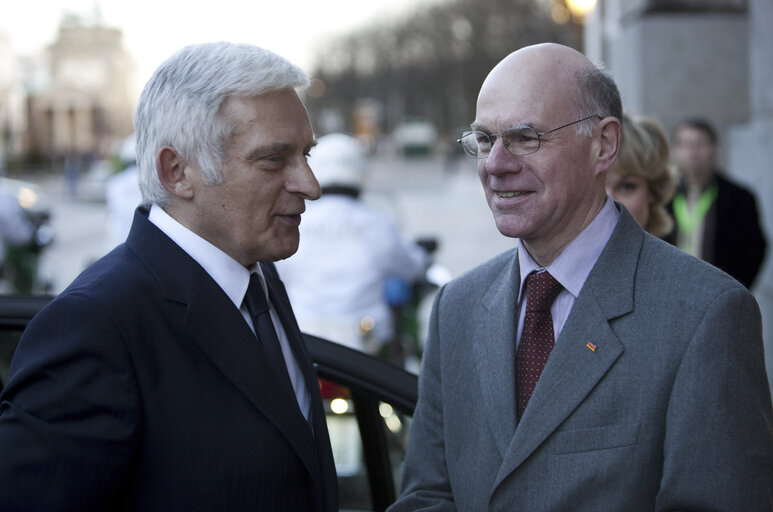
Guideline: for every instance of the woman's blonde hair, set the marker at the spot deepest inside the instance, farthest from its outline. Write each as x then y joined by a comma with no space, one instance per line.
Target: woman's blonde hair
644,154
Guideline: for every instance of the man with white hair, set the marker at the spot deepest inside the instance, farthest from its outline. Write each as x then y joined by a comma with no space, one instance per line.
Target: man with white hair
171,374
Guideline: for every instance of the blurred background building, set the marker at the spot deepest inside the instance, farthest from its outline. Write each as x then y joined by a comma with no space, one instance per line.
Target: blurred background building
73,98
707,58
406,84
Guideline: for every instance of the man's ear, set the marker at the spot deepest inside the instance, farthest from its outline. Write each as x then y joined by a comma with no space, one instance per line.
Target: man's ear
173,173
608,140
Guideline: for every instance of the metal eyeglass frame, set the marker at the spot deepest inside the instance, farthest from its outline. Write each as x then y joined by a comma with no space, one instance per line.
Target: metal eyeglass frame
492,137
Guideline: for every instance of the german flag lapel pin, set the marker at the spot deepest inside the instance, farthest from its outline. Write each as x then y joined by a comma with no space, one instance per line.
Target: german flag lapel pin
591,346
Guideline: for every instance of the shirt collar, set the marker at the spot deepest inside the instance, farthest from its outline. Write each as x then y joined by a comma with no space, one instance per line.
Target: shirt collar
228,273
572,267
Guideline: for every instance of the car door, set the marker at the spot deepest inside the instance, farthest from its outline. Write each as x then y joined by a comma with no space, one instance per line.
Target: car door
369,404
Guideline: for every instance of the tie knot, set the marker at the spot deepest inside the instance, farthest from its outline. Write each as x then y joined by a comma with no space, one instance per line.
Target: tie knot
541,290
255,298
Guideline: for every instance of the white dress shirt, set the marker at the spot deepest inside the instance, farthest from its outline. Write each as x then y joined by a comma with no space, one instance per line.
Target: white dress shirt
234,279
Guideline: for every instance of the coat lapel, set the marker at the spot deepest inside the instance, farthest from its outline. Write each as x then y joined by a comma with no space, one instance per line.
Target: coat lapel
573,369
216,326
325,479
282,305
497,335
220,330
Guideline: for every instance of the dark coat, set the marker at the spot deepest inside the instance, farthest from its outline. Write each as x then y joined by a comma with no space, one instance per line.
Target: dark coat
141,387
736,244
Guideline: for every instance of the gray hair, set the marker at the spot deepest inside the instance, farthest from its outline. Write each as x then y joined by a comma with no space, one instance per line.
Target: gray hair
180,105
598,95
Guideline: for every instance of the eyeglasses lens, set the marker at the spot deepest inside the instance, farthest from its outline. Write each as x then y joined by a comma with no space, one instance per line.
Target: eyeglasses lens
521,141
518,141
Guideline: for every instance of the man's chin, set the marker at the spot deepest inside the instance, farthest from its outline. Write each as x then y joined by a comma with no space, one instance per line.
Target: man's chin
285,252
278,249
507,227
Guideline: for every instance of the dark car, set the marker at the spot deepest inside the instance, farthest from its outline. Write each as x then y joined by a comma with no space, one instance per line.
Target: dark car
369,404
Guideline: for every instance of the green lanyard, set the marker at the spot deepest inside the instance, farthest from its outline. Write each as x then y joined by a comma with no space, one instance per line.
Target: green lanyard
689,220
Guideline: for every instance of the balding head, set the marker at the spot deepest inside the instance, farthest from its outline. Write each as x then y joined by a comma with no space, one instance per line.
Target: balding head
548,195
554,77
536,72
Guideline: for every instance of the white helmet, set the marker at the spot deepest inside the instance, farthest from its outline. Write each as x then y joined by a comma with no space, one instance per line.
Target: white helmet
338,159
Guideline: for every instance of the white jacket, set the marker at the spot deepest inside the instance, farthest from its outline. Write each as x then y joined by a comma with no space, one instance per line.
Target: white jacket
347,249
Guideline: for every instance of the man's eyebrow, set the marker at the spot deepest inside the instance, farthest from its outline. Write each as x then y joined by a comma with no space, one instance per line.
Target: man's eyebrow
278,147
482,128
263,151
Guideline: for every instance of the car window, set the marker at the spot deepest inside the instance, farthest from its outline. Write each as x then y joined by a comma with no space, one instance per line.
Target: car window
368,437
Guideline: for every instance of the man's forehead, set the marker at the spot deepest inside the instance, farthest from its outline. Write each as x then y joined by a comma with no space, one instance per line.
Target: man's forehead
543,76
509,107
691,133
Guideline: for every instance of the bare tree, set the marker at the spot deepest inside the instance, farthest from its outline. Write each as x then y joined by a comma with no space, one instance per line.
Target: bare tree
431,63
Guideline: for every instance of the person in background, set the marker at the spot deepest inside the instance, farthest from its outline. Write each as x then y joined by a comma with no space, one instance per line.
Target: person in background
171,374
716,219
73,162
3,162
592,367
641,178
16,229
122,194
348,249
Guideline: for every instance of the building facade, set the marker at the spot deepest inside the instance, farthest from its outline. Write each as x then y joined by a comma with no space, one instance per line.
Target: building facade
707,58
77,96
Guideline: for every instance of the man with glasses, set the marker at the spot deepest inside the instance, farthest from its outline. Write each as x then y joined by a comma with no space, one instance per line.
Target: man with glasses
594,367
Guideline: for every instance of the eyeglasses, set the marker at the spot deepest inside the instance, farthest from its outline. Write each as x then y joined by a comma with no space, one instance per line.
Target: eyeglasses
519,141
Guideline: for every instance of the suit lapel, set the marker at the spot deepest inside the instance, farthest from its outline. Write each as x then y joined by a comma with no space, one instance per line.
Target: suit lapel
213,322
570,374
220,330
284,310
494,344
573,369
298,345
325,479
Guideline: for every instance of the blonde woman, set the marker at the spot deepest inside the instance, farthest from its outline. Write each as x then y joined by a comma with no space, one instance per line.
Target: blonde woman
642,178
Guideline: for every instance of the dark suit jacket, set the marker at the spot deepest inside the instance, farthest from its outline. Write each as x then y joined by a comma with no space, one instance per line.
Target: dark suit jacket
141,387
736,243
671,411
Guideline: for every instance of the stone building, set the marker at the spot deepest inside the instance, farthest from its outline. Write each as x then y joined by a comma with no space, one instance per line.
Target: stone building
87,104
708,58
12,103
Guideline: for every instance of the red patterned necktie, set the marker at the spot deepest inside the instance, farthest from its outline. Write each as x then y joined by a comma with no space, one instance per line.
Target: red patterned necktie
537,337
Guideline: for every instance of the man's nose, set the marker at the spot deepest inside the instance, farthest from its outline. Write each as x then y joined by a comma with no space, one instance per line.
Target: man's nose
500,159
304,182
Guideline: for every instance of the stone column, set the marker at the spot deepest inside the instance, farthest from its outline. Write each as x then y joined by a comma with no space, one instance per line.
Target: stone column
750,153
